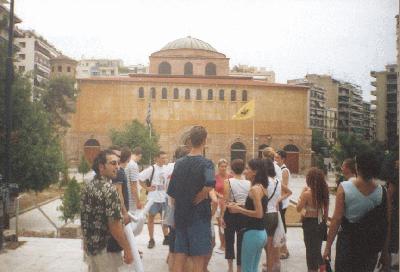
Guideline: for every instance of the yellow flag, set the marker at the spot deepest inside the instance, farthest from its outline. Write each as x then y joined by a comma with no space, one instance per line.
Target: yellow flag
246,111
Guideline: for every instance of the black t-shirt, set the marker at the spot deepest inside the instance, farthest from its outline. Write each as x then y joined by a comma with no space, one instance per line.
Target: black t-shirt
112,244
191,174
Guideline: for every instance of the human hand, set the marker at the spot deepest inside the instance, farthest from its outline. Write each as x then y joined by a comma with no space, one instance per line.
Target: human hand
139,205
383,262
198,198
128,258
223,225
327,254
233,207
127,219
151,188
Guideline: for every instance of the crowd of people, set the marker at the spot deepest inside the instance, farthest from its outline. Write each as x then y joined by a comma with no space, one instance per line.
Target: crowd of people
248,202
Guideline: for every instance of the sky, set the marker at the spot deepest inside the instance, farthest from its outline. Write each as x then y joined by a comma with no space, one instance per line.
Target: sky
344,38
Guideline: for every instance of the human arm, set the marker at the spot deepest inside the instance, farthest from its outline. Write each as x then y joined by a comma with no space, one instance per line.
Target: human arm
117,231
255,194
301,203
146,175
209,183
124,212
203,194
135,194
226,200
286,192
335,221
384,259
214,201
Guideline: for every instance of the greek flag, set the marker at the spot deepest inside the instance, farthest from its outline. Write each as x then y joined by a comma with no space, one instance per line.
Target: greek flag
148,117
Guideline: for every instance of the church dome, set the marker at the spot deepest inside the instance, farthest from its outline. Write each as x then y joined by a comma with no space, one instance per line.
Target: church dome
189,43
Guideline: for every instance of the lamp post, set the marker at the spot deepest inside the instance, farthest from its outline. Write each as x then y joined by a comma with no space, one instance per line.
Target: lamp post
8,121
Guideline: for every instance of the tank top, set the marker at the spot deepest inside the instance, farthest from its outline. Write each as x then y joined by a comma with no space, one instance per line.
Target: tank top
356,204
273,197
239,190
285,202
219,183
252,222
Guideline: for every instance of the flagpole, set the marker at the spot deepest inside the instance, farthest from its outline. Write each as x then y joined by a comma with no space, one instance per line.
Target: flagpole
253,138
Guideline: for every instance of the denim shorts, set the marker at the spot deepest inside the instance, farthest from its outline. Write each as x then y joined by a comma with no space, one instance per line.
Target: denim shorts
194,240
158,208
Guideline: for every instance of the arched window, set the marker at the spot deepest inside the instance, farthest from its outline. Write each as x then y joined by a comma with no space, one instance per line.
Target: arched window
210,95
188,68
291,148
92,142
221,94
153,92
176,93
164,68
244,95
238,151
233,95
164,93
211,69
260,150
187,94
198,94
141,92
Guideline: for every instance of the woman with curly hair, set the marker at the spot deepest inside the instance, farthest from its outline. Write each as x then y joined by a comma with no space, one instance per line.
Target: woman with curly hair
314,205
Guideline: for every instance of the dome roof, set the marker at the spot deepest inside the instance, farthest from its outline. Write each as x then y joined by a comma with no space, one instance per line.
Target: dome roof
189,43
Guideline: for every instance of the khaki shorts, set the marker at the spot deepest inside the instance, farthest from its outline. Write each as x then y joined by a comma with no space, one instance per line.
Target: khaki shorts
104,261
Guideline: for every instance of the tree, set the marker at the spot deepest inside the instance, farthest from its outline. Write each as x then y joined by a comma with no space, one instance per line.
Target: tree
58,98
136,134
35,148
70,206
349,145
83,167
318,143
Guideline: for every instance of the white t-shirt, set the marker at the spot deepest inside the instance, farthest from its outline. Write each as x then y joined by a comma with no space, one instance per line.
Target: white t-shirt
285,202
132,174
159,180
274,199
278,171
239,189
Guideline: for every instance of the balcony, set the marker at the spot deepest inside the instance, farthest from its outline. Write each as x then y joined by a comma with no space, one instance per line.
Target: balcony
374,102
374,92
373,83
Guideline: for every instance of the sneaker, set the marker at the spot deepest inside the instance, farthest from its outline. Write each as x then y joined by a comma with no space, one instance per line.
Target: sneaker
151,243
219,251
166,241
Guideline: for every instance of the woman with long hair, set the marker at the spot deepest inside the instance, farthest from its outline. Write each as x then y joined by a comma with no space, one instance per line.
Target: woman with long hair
314,205
362,214
255,236
221,175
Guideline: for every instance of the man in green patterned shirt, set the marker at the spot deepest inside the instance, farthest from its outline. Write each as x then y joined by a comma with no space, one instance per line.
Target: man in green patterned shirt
101,217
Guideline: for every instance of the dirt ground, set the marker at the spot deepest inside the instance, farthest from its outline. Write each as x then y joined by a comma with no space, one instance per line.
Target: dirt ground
26,201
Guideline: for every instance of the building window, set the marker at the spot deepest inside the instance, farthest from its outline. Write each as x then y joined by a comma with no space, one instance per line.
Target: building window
188,69
141,92
112,72
164,93
69,69
176,93
198,94
59,68
164,68
244,95
153,92
187,94
21,69
221,94
52,68
211,69
210,94
21,56
22,44
233,95
238,151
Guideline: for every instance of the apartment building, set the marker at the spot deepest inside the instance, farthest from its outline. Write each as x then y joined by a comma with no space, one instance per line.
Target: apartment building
369,121
330,125
34,56
385,93
98,68
259,73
